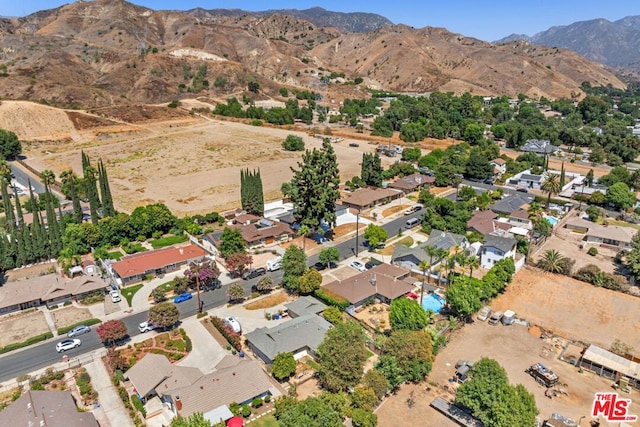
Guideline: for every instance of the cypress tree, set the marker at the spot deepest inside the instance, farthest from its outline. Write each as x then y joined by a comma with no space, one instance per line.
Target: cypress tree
28,246
36,239
54,234
8,253
19,215
259,192
243,189
8,207
562,176
92,192
107,199
21,258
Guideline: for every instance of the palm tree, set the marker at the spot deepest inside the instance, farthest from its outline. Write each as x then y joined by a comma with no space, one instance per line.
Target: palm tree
303,231
535,210
68,177
551,185
48,177
472,262
5,172
552,262
424,266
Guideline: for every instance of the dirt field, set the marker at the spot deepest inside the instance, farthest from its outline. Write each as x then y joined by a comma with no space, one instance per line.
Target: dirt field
29,272
19,327
573,309
69,315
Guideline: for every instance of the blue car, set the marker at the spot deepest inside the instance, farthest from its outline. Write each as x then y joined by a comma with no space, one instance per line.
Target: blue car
182,297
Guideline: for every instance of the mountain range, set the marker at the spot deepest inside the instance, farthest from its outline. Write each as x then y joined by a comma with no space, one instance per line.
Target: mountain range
105,52
616,43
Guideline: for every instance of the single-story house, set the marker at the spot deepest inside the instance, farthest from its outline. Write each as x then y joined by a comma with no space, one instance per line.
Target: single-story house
179,390
365,198
46,408
305,305
261,232
413,182
613,236
578,224
447,241
50,289
134,268
497,247
527,180
409,258
300,336
539,146
384,282
510,204
482,222
499,166
610,365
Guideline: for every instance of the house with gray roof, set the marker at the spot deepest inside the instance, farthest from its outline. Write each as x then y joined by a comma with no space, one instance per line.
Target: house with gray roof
539,146
300,336
510,204
445,240
46,408
496,247
305,305
528,180
407,257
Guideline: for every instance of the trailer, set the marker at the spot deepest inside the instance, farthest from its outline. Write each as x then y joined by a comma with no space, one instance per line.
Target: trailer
543,375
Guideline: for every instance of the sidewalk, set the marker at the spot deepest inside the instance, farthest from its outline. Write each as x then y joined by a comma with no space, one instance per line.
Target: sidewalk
111,411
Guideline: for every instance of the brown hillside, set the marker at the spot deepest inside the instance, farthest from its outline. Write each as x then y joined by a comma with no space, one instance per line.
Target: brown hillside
106,52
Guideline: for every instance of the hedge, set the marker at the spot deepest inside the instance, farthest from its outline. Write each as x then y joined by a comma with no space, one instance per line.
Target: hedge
14,346
88,322
332,299
227,333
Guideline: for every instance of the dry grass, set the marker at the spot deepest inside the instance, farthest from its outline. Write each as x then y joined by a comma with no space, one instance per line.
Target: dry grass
394,209
268,301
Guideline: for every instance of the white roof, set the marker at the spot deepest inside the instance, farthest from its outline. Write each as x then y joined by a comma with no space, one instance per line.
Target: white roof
509,313
220,413
520,231
612,361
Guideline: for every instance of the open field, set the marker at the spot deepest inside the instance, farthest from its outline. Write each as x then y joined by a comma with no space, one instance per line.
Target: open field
69,315
573,309
19,327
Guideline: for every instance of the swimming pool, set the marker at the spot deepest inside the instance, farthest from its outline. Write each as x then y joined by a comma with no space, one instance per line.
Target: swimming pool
433,302
551,220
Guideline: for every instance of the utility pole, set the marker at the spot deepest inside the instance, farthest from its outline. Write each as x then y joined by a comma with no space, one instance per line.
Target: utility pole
357,231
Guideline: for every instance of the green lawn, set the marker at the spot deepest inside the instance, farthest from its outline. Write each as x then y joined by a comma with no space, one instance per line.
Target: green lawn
115,255
266,421
168,241
130,291
167,286
624,224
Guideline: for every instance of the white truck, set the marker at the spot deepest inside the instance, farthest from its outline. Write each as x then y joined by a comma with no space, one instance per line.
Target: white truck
274,264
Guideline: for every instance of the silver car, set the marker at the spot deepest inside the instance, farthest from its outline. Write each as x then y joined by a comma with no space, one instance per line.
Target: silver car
78,330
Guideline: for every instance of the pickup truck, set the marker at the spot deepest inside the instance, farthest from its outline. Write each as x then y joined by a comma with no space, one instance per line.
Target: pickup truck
495,318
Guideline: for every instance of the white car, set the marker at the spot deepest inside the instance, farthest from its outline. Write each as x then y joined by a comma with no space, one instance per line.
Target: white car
146,327
484,313
358,266
67,345
115,296
233,323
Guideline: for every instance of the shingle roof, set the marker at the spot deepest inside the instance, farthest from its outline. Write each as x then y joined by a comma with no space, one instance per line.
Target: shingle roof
290,336
387,284
156,372
141,263
368,196
444,239
505,244
401,250
51,408
499,161
520,214
413,181
482,221
305,305
238,383
531,177
252,233
510,204
538,146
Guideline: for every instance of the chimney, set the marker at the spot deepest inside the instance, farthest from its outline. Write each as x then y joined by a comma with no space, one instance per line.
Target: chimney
178,404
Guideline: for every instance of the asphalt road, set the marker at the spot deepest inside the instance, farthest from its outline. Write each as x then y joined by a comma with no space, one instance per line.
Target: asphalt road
22,177
43,355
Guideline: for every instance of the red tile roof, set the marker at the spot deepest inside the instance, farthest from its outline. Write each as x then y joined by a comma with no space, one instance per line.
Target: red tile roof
143,262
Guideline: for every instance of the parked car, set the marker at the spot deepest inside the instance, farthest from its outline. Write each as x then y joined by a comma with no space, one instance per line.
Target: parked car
233,323
78,330
319,266
372,263
508,318
358,266
68,345
495,318
274,264
484,313
488,181
254,273
182,297
413,209
115,296
522,190
146,327
354,144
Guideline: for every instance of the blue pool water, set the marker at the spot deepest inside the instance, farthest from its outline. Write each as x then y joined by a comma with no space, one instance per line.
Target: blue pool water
551,220
433,302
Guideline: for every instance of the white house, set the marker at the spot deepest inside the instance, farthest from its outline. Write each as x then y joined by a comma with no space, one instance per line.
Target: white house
495,248
499,165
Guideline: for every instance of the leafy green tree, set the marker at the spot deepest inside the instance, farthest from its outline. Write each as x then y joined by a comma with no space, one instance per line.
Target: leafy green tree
265,284
620,196
342,355
158,294
473,133
464,297
371,170
375,235
333,314
406,313
311,412
411,154
231,242
150,219
10,145
597,198
164,315
412,351
69,180
235,293
294,265
376,381
329,256
314,187
293,143
466,193
478,167
309,282
493,400
594,213
363,418
363,398
284,365
194,420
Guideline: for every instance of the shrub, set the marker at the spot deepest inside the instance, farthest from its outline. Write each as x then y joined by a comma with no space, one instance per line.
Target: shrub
331,299
29,341
256,402
227,333
593,251
137,403
293,143
246,411
267,398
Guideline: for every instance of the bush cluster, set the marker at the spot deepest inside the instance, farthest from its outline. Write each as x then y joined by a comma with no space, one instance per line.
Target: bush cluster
227,333
330,299
88,322
29,341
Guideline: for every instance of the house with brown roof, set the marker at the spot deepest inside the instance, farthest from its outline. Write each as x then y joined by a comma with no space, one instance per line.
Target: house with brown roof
46,408
178,390
50,290
365,198
134,268
482,222
413,182
384,282
499,166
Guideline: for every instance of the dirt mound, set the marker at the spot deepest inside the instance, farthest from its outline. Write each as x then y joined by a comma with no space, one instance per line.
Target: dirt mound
34,121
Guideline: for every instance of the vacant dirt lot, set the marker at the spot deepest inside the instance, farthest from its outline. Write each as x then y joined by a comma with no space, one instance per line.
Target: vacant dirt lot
69,315
573,309
19,327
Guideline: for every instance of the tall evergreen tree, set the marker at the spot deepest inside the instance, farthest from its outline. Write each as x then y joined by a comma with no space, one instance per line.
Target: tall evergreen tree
251,195
37,243
371,171
562,176
8,206
314,187
105,191
19,214
92,192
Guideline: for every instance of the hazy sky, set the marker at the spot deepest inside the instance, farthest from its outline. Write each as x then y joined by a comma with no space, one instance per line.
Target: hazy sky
486,20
